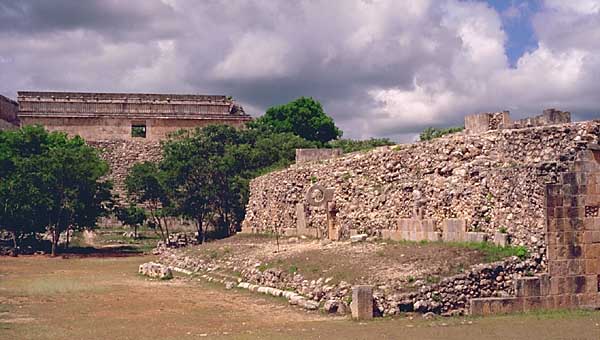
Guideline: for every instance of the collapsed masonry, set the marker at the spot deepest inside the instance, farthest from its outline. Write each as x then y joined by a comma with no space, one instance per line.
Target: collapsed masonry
466,187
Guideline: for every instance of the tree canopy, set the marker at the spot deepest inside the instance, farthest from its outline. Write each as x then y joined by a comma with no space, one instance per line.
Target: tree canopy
49,182
303,117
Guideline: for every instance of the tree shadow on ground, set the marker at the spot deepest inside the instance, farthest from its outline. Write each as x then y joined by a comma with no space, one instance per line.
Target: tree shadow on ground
107,251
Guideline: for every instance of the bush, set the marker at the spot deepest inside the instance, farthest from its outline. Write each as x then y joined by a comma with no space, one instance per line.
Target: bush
432,133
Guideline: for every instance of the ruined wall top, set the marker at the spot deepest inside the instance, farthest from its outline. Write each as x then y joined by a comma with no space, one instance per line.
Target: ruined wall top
487,121
80,104
8,110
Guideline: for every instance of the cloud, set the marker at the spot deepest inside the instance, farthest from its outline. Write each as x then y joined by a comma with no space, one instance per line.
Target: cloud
380,67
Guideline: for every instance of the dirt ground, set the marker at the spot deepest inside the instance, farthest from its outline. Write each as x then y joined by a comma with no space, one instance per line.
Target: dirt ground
105,298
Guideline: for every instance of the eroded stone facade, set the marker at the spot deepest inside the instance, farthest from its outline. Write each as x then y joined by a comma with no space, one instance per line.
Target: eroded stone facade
8,113
126,116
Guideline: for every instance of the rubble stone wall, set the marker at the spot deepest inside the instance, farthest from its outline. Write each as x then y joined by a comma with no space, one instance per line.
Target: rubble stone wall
495,181
121,155
8,111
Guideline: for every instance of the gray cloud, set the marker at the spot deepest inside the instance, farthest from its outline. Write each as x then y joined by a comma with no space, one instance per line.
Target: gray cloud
381,68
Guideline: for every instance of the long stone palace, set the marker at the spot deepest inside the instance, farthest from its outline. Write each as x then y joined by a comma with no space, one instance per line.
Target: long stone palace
119,116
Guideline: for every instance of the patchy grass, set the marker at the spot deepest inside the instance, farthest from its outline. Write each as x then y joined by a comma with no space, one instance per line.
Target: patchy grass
492,252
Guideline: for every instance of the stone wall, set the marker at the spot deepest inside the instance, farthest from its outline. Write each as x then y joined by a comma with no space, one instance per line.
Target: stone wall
122,155
113,116
8,111
482,122
309,155
106,128
573,246
548,117
493,181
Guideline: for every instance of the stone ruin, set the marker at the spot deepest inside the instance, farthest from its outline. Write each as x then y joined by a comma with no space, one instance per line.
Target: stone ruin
483,122
572,237
310,155
533,182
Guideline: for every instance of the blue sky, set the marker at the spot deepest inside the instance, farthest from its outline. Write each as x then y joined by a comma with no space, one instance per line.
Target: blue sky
516,18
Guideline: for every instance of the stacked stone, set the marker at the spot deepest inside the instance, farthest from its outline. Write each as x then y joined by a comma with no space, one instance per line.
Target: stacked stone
450,296
494,180
121,155
156,270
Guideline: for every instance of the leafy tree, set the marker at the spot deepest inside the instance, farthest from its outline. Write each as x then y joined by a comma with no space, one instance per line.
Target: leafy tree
303,117
59,179
145,183
431,132
132,216
351,145
209,170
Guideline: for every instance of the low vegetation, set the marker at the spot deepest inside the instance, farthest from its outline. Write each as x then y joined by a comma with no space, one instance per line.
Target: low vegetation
432,133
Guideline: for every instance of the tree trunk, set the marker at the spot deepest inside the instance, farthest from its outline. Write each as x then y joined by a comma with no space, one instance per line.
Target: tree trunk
15,250
67,243
200,236
55,237
135,236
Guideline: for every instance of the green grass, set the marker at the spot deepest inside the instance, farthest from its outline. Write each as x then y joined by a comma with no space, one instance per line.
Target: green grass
492,252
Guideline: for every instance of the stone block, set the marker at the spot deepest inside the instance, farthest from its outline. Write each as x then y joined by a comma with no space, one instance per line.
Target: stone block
501,239
475,237
528,286
362,302
532,303
544,284
496,305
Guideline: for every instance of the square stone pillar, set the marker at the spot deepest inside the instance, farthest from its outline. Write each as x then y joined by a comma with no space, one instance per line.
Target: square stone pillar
362,302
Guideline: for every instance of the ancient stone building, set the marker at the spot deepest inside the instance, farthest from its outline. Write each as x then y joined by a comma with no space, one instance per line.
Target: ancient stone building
125,116
8,113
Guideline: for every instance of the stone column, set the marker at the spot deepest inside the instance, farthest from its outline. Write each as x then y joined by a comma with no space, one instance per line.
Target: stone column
362,302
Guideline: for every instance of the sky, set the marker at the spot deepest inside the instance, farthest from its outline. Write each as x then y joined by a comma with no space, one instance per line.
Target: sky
381,68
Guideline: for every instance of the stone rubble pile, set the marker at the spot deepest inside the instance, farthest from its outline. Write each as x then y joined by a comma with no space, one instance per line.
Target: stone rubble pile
155,270
450,296
495,180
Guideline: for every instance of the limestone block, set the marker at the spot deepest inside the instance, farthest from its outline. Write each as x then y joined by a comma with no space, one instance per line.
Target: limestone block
528,286
358,238
501,239
496,305
475,237
362,302
454,229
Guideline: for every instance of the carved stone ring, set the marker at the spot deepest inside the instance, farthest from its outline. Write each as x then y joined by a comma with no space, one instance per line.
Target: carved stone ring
317,195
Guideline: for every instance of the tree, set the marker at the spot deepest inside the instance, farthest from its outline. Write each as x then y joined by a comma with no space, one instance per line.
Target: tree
133,216
432,133
303,117
50,180
145,183
209,171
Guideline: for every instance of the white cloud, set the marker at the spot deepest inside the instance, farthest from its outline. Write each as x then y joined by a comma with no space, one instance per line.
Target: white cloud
256,55
380,67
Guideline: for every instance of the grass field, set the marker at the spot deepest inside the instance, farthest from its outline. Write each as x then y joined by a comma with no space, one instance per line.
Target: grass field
104,298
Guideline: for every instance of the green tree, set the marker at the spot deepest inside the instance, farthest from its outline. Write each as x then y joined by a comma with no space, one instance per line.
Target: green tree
432,133
145,183
133,216
50,180
303,117
209,170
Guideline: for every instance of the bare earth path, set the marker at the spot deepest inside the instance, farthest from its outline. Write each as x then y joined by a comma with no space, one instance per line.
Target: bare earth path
104,298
